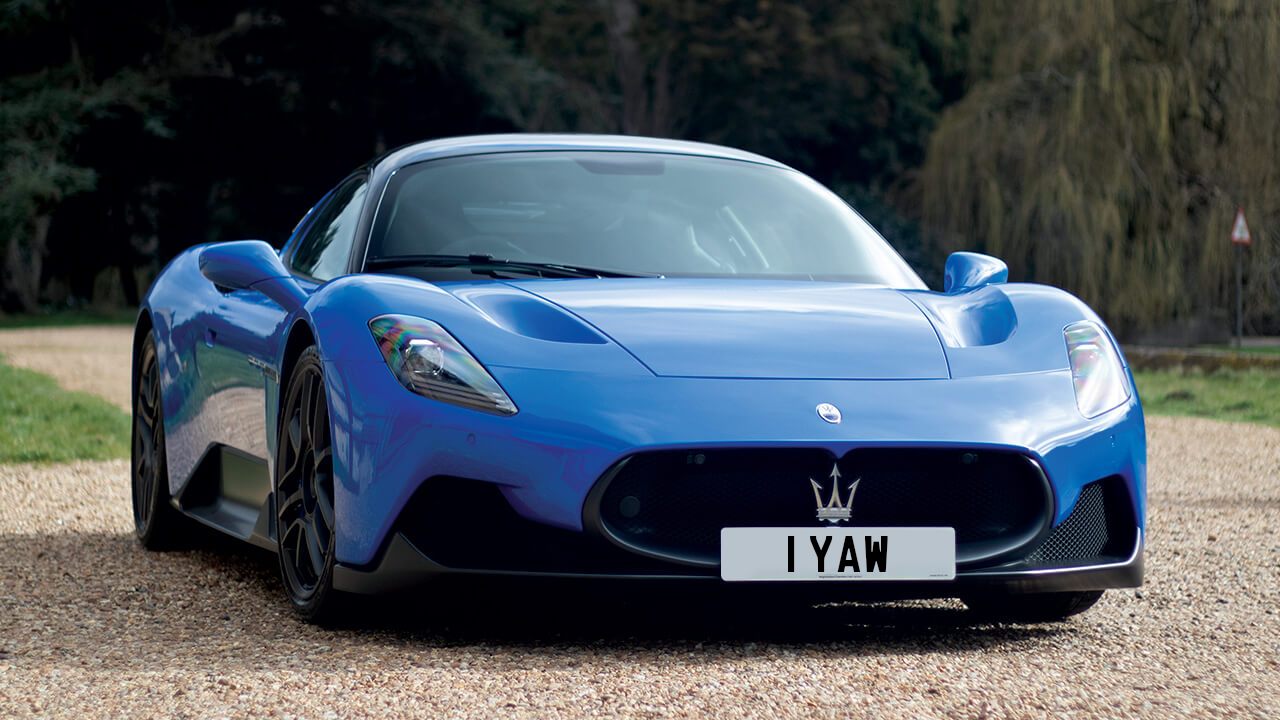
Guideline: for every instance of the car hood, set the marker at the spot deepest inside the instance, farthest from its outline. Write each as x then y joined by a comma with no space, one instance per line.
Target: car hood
756,329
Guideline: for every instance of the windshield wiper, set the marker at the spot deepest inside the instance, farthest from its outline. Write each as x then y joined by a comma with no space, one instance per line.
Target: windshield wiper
487,264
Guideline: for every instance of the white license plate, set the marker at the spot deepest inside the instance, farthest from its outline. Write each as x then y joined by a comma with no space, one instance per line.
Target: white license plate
808,553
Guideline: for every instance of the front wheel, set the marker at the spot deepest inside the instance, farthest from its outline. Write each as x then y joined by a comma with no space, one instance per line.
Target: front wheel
1031,607
304,493
157,525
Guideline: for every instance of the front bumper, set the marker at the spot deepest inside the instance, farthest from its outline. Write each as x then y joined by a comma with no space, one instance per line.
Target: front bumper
573,427
1096,548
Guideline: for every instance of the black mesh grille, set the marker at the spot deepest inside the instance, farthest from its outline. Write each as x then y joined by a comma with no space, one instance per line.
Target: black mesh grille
674,503
1098,528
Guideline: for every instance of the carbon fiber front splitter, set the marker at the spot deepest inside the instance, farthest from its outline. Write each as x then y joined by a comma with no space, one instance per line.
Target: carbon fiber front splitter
403,566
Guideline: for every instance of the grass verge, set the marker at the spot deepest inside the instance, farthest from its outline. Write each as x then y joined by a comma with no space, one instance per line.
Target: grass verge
1258,349
44,423
1251,396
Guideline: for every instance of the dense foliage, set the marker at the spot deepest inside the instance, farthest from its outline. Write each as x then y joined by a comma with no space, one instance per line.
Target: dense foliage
1099,145
1104,147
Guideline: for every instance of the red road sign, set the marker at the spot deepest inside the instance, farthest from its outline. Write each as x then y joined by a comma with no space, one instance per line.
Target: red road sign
1240,229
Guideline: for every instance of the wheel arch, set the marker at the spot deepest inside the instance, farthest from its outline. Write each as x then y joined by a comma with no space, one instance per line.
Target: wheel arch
141,327
300,337
319,600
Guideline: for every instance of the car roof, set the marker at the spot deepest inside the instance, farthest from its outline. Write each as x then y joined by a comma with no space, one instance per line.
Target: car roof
525,142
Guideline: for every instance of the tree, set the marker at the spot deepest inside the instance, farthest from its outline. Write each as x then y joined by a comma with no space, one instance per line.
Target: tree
46,105
131,132
838,88
1104,147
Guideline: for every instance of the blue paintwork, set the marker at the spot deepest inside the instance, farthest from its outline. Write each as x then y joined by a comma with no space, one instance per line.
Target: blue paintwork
757,328
251,265
602,367
241,264
969,270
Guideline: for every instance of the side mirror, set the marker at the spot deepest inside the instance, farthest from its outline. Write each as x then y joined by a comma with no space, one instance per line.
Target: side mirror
251,265
969,270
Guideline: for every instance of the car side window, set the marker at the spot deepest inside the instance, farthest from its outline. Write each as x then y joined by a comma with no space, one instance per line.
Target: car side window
323,253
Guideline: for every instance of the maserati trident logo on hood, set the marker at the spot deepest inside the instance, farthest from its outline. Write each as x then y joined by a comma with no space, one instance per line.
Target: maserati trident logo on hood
829,412
834,511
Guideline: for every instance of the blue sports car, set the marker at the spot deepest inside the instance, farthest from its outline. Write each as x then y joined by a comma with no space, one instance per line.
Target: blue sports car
631,358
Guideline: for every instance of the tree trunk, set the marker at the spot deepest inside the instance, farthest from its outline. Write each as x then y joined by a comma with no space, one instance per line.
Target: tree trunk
620,20
24,264
128,283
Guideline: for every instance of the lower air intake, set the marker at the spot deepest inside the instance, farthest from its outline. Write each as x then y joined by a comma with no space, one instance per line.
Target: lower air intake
1099,528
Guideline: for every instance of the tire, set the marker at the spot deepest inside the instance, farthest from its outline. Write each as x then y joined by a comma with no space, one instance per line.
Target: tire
304,491
157,525
1031,607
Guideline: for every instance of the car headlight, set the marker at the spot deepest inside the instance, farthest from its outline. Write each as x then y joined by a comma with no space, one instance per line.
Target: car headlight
1096,370
426,359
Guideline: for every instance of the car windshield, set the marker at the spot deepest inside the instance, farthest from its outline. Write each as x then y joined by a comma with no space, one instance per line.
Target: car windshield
626,213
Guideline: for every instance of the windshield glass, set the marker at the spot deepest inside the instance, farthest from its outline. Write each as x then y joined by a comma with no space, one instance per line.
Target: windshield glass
631,213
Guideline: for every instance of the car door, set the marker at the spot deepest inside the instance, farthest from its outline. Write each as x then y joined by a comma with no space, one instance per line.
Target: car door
241,339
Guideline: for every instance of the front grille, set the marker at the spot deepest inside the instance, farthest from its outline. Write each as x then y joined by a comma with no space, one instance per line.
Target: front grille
1099,528
672,504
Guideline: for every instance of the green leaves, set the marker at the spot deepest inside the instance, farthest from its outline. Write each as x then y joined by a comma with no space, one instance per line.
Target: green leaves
845,91
42,116
1105,149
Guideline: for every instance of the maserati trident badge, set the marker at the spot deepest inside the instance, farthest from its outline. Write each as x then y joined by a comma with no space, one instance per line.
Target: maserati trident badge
829,412
834,511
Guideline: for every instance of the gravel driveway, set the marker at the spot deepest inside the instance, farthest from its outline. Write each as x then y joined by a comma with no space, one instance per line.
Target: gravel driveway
93,626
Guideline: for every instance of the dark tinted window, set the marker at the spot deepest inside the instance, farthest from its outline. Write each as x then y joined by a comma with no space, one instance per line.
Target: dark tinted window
323,253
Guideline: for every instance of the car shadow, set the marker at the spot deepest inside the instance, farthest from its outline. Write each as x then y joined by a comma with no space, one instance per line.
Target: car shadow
525,613
651,615
180,603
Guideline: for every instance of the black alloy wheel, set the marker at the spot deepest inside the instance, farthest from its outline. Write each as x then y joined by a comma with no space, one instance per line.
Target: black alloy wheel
155,522
304,492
